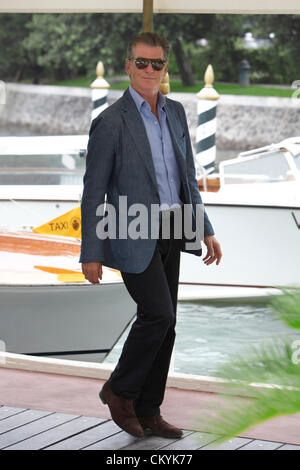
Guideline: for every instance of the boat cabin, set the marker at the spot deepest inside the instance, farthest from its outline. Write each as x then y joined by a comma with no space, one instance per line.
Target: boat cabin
275,163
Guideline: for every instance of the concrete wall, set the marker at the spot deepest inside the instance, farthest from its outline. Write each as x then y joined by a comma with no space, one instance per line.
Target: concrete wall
243,122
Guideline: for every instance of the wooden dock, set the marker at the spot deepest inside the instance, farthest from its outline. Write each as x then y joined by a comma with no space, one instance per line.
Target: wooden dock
26,429
54,404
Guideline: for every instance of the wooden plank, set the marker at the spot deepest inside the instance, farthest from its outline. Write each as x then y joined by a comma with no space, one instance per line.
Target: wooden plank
231,444
153,442
194,441
261,445
32,429
115,442
6,411
75,425
19,419
289,447
87,438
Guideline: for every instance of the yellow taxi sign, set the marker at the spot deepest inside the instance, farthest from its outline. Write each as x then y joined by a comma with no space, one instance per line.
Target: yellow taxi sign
66,225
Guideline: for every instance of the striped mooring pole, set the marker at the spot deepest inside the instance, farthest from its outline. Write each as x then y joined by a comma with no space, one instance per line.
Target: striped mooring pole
99,91
206,127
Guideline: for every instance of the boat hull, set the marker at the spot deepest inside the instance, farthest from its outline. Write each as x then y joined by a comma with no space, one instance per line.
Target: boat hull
260,246
79,322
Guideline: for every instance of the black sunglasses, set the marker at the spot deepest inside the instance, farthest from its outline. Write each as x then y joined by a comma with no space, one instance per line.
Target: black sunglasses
142,63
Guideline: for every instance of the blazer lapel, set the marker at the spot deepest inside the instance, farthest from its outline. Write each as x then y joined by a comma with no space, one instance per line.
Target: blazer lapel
138,132
175,135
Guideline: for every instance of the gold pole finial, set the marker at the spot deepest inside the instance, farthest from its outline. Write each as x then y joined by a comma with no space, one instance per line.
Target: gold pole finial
100,82
100,69
209,77
208,92
165,85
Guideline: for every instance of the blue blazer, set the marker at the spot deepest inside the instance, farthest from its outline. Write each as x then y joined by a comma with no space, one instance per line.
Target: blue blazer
119,163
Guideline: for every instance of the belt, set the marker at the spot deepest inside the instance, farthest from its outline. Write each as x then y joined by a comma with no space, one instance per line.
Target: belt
171,212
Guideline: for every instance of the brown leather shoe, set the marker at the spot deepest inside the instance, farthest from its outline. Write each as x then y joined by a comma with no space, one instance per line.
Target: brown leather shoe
121,411
160,427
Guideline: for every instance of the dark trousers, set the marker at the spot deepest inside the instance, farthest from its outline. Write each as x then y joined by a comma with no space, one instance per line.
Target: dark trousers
142,369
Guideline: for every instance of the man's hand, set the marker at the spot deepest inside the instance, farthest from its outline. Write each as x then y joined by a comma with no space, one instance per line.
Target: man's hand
92,271
213,250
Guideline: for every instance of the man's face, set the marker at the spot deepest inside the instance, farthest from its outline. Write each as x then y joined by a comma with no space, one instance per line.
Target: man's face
146,81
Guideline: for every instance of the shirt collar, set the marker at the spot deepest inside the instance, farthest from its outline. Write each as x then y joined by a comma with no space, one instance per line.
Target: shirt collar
139,100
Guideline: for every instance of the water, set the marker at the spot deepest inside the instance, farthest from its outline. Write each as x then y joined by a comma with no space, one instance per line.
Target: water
207,335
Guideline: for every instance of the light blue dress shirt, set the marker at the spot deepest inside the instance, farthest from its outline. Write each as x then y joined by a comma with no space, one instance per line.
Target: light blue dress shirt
164,159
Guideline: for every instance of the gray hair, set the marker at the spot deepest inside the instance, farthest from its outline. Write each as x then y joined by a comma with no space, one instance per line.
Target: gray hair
151,39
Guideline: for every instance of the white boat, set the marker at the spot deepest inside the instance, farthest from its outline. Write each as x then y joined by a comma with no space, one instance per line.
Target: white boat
47,307
254,206
40,178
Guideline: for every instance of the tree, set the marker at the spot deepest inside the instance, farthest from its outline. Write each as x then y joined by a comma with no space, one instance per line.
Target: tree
278,63
180,30
67,45
14,61
222,52
60,46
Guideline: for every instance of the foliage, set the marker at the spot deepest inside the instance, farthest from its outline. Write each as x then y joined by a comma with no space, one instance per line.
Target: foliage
47,47
67,45
287,308
278,63
60,46
182,30
221,51
13,57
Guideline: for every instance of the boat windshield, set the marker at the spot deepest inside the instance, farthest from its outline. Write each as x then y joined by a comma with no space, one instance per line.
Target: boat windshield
56,169
270,167
297,161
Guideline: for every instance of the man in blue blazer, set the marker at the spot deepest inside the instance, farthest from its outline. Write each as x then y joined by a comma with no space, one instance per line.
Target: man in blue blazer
140,159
